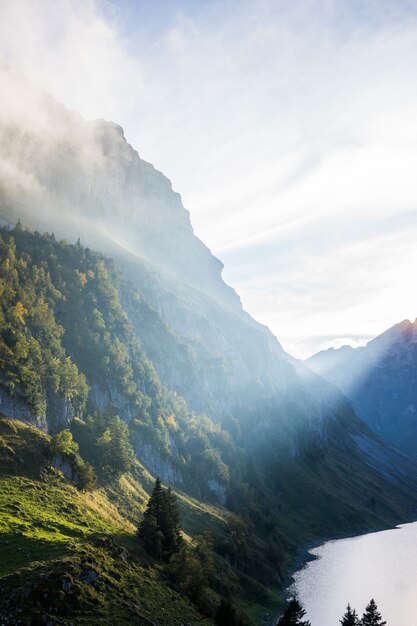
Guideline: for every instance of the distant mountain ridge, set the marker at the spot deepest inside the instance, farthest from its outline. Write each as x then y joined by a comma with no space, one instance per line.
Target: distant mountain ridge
381,380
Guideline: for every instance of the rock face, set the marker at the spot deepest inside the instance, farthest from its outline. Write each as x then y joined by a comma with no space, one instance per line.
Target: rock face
216,357
63,466
82,179
157,465
17,409
381,381
59,412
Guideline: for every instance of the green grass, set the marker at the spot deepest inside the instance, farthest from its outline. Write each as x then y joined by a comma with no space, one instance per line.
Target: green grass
41,520
51,534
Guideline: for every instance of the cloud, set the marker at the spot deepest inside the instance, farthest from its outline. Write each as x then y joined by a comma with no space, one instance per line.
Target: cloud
73,50
289,129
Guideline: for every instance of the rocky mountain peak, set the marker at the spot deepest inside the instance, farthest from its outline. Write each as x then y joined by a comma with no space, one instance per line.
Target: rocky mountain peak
61,173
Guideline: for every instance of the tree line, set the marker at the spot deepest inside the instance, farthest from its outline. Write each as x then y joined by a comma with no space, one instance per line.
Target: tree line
294,614
190,567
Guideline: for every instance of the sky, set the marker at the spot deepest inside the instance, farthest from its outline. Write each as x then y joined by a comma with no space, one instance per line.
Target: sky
288,127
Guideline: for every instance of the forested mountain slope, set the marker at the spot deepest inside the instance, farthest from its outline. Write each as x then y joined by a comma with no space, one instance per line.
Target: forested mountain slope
72,557
142,351
298,466
381,380
82,179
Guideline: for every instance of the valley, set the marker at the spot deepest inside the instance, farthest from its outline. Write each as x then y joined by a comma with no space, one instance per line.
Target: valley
125,357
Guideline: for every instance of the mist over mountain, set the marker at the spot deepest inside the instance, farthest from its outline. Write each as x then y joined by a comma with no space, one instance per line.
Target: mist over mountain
119,311
61,174
82,179
381,380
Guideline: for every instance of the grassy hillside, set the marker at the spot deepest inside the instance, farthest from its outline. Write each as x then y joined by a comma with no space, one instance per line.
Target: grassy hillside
261,481
75,557
69,555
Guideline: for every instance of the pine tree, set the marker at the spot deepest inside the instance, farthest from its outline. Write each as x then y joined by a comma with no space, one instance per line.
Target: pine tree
293,615
372,617
151,536
350,618
160,529
155,502
169,521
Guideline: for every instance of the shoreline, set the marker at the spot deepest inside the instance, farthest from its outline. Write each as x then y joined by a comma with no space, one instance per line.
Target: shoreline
304,556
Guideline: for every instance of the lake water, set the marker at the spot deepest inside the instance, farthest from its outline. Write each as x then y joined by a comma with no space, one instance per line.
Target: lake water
379,565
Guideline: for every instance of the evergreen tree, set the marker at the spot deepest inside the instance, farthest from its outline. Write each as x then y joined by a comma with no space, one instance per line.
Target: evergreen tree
18,228
169,521
350,618
155,502
293,615
160,529
372,617
151,536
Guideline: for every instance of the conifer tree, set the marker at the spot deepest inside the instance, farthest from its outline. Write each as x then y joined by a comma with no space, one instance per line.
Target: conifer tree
372,617
169,521
160,529
293,615
350,618
155,502
151,536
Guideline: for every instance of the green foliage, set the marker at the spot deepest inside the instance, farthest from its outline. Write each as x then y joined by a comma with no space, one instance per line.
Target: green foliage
113,447
64,323
86,476
188,575
63,443
160,529
53,536
104,440
33,361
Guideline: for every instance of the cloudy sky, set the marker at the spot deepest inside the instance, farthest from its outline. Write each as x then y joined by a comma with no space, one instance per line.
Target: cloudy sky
288,126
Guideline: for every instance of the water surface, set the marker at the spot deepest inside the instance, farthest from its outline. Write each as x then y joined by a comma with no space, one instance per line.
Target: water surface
380,565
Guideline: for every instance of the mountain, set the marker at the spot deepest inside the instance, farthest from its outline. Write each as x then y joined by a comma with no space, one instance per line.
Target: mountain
381,380
61,174
115,324
82,179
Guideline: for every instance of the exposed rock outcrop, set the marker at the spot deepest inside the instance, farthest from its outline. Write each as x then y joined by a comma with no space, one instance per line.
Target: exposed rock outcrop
158,465
76,178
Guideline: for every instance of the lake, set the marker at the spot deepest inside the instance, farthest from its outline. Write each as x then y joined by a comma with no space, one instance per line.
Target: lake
380,565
